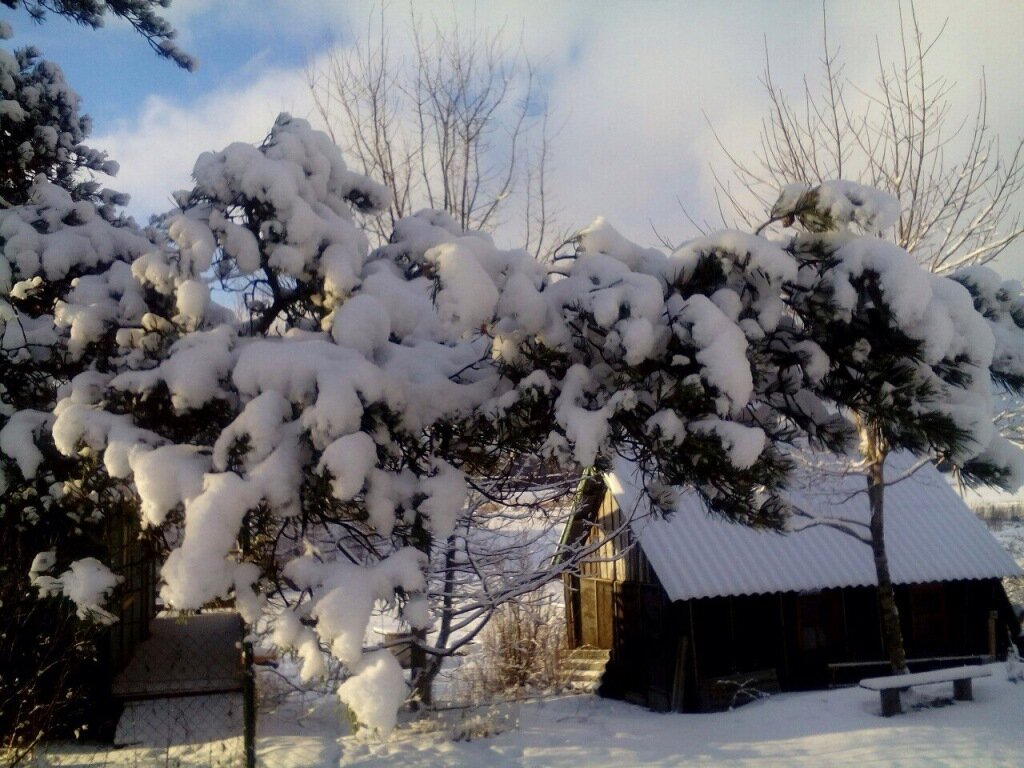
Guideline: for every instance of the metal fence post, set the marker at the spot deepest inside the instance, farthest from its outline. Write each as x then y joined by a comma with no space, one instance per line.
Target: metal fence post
248,673
248,701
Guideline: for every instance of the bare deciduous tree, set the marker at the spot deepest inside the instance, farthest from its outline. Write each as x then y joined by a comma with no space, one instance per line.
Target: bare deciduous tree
959,193
459,125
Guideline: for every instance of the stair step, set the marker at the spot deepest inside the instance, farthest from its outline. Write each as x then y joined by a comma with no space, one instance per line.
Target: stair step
587,675
585,667
589,653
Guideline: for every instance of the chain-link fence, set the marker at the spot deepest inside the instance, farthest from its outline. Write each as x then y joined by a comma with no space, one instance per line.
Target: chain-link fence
181,700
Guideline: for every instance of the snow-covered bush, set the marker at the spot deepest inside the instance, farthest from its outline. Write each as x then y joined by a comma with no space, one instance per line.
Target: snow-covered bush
520,650
1014,662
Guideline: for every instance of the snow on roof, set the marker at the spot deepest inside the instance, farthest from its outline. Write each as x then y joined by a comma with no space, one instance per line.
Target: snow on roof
931,535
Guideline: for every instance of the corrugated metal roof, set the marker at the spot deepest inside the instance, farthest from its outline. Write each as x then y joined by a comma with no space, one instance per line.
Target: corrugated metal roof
930,534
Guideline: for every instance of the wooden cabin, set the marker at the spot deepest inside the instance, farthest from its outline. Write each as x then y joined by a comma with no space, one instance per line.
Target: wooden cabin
698,613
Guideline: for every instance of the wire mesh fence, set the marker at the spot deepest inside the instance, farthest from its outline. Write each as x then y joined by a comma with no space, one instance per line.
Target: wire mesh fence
181,698
180,701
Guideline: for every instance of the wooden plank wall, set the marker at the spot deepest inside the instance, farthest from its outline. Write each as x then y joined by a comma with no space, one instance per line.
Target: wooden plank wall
617,557
136,595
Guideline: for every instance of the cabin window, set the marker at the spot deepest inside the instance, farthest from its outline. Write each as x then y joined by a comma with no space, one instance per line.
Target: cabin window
818,621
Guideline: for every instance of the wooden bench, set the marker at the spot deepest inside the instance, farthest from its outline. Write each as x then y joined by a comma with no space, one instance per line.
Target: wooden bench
890,687
850,673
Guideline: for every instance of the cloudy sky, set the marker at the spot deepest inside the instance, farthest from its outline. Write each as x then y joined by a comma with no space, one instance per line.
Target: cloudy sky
632,84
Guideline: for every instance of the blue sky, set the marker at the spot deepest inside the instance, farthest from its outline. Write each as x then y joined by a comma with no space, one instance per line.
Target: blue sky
631,83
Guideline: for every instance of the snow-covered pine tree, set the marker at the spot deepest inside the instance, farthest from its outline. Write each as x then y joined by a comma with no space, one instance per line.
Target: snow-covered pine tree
618,352
911,357
685,364
43,132
301,428
65,276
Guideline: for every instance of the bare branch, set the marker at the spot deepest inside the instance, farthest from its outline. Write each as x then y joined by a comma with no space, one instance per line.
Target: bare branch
460,127
960,196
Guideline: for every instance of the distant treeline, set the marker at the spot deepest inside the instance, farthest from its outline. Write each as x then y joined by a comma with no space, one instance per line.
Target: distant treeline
1000,512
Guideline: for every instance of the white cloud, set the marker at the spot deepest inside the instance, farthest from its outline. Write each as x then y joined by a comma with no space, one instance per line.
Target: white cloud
157,149
631,82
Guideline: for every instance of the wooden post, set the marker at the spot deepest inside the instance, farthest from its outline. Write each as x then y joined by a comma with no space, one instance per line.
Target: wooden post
782,634
732,630
679,678
693,642
248,702
891,702
421,676
962,690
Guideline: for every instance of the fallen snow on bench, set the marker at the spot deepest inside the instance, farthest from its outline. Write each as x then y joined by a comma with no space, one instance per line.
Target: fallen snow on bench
925,678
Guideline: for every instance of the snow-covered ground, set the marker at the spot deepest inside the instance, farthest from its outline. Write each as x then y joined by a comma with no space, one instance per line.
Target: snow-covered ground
820,728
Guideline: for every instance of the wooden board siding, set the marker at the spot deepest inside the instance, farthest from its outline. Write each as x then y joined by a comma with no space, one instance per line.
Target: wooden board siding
643,642
135,597
929,620
598,612
570,595
617,556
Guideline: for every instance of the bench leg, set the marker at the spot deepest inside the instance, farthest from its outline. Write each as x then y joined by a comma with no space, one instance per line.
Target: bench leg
891,702
962,690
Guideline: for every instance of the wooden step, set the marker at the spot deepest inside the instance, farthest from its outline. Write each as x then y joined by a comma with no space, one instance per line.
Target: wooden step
584,668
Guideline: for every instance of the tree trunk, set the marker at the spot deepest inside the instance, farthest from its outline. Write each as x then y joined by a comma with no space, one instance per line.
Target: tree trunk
423,676
423,685
892,636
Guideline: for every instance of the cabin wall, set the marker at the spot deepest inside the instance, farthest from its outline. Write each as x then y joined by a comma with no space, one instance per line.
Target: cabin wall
594,596
802,636
668,655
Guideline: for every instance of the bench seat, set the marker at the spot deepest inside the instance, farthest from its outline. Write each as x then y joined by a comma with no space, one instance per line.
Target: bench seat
890,687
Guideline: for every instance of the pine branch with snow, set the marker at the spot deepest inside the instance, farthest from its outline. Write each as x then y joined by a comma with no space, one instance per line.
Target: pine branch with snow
142,15
65,287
